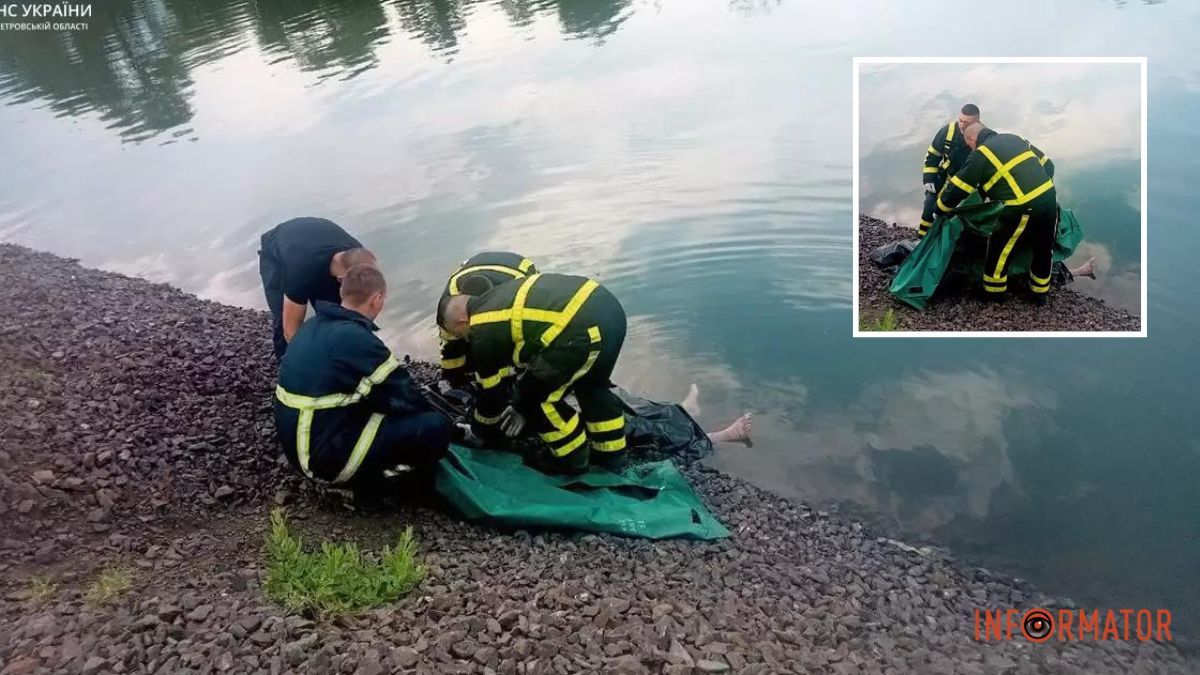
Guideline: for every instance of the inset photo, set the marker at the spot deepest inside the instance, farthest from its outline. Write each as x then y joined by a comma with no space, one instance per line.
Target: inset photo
1000,197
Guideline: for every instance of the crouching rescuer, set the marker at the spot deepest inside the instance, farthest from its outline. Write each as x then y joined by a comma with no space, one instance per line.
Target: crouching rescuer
346,411
1009,169
534,341
476,276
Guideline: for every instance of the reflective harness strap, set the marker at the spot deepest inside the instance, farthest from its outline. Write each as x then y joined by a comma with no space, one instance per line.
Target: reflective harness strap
308,405
568,313
514,273
517,319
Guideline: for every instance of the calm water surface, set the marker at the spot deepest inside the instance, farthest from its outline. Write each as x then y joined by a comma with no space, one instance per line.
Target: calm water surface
696,157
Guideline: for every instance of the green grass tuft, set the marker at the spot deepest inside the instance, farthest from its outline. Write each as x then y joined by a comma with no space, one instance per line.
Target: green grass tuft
338,578
42,588
112,583
887,322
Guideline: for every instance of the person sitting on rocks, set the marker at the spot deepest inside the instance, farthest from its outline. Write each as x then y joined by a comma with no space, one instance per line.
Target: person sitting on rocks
301,261
346,410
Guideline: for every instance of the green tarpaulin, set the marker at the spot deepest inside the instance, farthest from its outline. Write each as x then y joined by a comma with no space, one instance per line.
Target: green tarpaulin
649,500
945,249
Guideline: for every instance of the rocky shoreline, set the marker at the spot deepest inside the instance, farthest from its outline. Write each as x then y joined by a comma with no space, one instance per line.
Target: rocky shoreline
136,431
1065,309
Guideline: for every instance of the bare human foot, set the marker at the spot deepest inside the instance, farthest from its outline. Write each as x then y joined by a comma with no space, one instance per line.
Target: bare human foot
691,402
738,432
1087,269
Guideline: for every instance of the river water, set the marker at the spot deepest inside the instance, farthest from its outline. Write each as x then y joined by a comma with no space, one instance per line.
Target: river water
696,157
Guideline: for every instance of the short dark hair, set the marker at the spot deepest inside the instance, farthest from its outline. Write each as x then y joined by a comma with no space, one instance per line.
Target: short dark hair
441,310
361,282
971,109
474,284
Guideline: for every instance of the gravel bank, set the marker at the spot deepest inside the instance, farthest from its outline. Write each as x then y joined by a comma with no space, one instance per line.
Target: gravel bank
136,431
1065,309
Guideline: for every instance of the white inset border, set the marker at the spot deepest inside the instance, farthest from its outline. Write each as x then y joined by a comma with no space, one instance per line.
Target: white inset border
1141,60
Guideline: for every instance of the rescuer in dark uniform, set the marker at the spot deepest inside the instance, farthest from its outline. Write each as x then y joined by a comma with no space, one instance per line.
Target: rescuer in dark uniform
301,261
947,153
476,276
1009,169
563,334
346,411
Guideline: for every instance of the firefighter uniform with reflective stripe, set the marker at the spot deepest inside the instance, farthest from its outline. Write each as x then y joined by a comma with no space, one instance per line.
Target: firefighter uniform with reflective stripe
497,267
566,333
947,153
346,408
1009,169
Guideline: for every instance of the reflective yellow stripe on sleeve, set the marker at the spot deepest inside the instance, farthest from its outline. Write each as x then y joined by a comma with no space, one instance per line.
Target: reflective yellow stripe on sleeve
493,380
930,169
933,152
451,364
962,185
526,263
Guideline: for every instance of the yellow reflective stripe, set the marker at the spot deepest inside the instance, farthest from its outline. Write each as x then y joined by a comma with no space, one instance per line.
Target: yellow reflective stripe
451,364
962,185
995,289
517,322
569,311
304,439
934,152
1039,289
926,223
551,414
594,333
1039,280
606,425
310,403
485,420
1043,160
526,263
941,205
361,447
570,447
561,431
557,394
931,169
1003,169
482,268
609,446
995,280
1026,198
950,131
1012,241
495,316
493,380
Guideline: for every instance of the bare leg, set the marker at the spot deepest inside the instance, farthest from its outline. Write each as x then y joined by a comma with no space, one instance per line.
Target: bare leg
691,402
1087,269
738,432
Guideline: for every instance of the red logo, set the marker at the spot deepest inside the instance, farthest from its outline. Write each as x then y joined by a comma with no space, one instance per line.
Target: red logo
1070,625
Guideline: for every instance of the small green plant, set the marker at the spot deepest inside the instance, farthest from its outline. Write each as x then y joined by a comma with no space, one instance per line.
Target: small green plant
42,588
887,322
338,578
112,583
